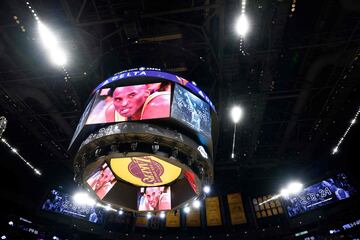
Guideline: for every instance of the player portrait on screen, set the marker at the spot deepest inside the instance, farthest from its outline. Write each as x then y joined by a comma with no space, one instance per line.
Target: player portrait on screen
135,102
102,181
154,198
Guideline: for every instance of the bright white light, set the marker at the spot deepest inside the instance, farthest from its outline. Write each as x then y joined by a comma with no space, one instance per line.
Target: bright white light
3,237
83,198
58,57
11,223
206,189
295,187
162,215
48,39
14,150
187,209
37,172
232,155
284,192
51,44
196,203
3,140
108,207
202,152
242,25
148,215
121,212
335,150
291,189
236,114
55,238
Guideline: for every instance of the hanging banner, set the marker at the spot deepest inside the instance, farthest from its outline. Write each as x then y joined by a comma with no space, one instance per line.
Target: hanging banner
172,219
154,222
213,216
193,218
141,220
236,208
267,209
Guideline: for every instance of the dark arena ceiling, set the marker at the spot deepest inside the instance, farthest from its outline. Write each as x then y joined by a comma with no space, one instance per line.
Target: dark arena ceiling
296,74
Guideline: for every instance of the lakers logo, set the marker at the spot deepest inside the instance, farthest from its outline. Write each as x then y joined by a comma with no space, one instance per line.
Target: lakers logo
148,170
145,170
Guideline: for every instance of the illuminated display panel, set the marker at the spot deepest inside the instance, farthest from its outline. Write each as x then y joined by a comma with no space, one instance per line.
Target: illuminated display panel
82,121
325,192
154,198
146,72
145,170
102,181
130,103
62,203
191,110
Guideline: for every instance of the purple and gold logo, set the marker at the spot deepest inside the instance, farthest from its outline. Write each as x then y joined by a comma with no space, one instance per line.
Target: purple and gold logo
145,168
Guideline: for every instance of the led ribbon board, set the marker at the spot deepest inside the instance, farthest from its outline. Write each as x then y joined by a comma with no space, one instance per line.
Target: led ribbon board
145,170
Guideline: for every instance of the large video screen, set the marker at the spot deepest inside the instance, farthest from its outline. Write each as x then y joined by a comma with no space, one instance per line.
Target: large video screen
130,103
82,121
325,192
62,203
154,198
102,181
191,110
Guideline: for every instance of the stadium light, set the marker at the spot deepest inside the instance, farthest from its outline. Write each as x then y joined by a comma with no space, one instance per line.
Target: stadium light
3,237
295,187
83,198
51,44
196,203
11,223
284,192
186,209
236,115
162,215
148,215
121,212
242,25
291,189
206,189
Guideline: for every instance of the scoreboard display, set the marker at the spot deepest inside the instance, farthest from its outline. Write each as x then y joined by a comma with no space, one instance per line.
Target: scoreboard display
328,191
145,141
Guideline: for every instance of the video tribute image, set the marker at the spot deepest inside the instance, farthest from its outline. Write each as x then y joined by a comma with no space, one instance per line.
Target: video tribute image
154,198
325,192
191,110
102,181
62,203
130,103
